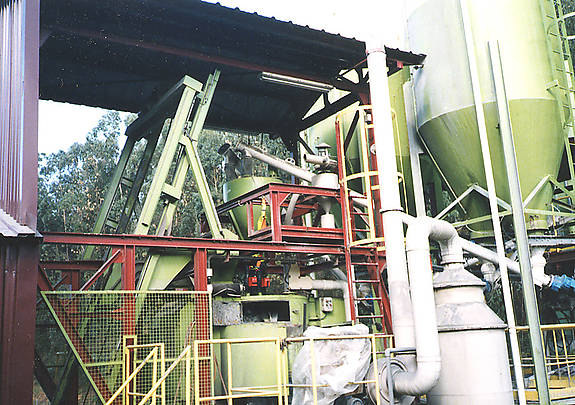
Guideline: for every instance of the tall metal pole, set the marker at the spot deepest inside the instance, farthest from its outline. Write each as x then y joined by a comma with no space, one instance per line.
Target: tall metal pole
401,313
492,194
519,225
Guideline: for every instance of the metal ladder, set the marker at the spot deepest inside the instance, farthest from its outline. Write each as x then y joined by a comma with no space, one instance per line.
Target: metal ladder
563,85
363,234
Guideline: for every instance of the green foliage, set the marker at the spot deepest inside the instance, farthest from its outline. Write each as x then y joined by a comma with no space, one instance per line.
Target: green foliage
187,218
73,183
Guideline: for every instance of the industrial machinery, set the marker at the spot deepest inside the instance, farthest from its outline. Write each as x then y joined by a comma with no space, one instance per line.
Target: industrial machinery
323,287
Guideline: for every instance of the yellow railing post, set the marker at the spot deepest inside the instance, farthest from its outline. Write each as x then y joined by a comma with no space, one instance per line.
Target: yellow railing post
230,386
154,373
313,376
196,374
163,370
279,370
188,382
375,370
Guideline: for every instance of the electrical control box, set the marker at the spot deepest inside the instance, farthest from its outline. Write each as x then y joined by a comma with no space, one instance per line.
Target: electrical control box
326,304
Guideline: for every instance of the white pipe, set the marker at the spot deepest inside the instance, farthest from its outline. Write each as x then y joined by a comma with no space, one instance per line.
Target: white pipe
323,161
426,375
487,254
308,284
538,263
475,249
401,312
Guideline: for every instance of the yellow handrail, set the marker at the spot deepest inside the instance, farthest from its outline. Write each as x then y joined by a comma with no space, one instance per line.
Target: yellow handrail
186,353
153,354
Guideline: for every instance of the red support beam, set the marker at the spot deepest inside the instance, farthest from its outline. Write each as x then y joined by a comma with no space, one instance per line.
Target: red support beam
275,217
149,241
18,286
201,270
129,268
74,265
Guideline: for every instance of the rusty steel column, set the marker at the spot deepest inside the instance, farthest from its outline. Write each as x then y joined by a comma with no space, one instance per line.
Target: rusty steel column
19,264
19,36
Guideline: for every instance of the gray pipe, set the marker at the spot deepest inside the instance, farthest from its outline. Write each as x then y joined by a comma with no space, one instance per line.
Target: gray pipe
278,163
519,225
302,174
322,161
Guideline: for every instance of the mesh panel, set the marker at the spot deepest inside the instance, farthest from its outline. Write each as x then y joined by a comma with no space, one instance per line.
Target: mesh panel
95,324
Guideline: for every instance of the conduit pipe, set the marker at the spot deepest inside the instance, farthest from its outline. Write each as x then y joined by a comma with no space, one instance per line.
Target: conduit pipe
289,168
420,230
278,163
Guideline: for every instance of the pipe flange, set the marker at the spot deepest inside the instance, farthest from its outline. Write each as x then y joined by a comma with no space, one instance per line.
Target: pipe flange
396,368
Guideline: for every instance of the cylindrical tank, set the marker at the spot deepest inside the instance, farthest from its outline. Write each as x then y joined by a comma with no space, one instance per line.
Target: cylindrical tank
240,186
474,359
445,105
324,132
282,316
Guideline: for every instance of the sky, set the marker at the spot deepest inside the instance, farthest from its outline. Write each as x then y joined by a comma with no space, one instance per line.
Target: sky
61,124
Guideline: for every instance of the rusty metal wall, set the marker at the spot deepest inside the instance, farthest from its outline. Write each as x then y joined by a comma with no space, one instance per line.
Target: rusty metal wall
19,22
19,31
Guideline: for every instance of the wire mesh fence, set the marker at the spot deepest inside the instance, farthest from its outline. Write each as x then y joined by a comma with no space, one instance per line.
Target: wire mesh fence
96,325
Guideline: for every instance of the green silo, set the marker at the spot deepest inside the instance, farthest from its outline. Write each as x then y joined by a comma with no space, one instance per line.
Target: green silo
445,105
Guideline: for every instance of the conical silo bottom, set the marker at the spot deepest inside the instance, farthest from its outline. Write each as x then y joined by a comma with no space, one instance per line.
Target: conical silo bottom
453,141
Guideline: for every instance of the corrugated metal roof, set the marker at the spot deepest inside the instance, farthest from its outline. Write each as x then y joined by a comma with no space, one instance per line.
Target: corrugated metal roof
124,55
331,31
9,228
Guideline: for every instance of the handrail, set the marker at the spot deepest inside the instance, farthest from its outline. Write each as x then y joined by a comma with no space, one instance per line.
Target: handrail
186,353
153,353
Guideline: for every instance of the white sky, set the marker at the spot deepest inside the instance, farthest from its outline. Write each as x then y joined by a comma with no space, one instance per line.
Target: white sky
60,125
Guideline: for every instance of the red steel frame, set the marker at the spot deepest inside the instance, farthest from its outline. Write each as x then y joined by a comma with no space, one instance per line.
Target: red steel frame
124,250
277,196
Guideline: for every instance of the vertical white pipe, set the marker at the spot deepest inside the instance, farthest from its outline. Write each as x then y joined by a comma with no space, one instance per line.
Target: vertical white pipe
500,247
401,311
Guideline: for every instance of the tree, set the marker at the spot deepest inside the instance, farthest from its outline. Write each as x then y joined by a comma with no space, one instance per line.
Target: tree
72,183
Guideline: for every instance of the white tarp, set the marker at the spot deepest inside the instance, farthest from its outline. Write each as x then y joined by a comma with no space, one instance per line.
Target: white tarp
337,364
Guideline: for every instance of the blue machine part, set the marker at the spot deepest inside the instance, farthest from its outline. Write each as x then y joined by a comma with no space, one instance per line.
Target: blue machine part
562,283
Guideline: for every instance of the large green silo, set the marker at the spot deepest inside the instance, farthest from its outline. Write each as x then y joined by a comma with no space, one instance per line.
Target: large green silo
445,106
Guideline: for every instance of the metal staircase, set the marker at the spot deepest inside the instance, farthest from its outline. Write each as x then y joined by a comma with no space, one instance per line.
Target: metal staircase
363,233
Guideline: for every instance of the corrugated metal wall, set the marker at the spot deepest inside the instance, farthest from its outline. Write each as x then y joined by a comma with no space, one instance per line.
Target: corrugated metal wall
18,195
19,109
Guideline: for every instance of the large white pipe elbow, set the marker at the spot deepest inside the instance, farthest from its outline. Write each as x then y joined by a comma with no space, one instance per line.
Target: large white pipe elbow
426,375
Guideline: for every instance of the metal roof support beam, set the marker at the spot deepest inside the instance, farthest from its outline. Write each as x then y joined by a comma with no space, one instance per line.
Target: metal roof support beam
328,111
